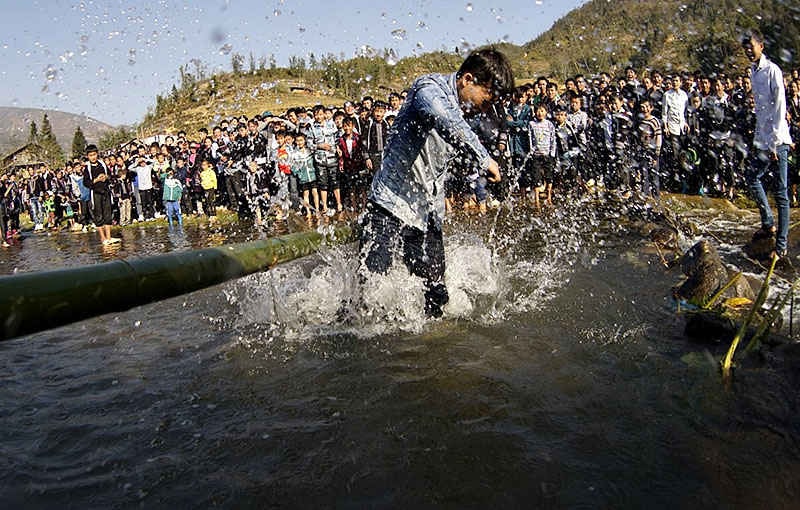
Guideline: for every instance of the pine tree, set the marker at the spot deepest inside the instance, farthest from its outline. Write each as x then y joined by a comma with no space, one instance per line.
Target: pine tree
47,139
78,143
33,137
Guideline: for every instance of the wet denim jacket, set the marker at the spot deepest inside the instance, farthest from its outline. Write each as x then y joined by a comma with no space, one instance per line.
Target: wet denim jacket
425,134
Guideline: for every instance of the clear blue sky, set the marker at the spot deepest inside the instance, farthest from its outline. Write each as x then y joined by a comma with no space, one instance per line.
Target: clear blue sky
109,58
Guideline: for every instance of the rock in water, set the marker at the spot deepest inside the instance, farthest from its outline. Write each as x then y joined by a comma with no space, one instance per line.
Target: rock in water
706,275
761,246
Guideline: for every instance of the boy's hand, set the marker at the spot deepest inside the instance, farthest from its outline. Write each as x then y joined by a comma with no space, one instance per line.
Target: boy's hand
493,172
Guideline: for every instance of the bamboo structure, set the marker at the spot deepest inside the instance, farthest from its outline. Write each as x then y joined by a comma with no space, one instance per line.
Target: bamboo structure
32,302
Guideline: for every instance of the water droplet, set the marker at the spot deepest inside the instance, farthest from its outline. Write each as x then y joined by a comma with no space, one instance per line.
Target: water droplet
399,33
301,28
469,7
50,73
226,49
276,12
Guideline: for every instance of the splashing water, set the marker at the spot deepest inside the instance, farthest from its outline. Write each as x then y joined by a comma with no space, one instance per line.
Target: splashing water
496,272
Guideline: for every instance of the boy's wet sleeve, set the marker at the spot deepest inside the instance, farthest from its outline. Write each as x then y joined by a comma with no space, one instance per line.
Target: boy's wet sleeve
449,121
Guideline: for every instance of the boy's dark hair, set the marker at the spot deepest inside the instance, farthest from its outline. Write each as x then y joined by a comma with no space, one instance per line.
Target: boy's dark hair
339,113
491,68
319,108
752,34
379,104
298,134
348,120
394,94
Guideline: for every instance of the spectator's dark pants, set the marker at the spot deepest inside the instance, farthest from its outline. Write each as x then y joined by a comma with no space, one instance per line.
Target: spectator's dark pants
384,235
233,186
147,203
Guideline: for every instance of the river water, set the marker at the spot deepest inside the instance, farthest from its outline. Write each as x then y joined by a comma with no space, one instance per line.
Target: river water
555,380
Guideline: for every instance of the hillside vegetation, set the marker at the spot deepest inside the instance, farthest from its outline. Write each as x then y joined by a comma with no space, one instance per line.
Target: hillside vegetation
602,35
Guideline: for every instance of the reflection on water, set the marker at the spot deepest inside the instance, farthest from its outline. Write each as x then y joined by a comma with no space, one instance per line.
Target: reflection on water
555,380
53,250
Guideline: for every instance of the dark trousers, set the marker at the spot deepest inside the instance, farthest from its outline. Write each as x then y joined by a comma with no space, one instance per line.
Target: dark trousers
233,185
148,208
384,235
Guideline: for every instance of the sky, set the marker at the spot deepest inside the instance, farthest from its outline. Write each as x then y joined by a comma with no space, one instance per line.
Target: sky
109,58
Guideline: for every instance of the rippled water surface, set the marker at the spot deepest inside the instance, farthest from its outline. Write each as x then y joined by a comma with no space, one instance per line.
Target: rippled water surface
555,380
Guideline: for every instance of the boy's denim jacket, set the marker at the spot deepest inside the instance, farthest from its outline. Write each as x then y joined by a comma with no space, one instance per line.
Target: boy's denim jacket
410,182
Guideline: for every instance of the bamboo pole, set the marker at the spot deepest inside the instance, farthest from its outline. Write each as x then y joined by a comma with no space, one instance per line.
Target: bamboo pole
32,302
762,296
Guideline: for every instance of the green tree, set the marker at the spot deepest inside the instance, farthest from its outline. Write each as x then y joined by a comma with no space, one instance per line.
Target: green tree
78,143
112,139
33,136
47,139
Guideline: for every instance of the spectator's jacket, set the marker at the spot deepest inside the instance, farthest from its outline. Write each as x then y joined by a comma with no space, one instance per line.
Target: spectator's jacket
370,139
124,187
410,182
172,190
35,186
90,173
302,161
208,179
144,176
717,117
579,121
353,158
568,146
518,128
320,134
650,136
542,136
673,111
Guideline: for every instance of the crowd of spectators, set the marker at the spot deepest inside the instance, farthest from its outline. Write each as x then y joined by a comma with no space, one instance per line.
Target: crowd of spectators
678,132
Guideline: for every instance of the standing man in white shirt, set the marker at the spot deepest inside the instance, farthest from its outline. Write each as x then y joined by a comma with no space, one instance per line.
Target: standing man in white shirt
673,120
771,141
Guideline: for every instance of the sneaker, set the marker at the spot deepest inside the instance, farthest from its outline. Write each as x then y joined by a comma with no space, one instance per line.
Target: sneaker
114,240
330,212
106,241
141,218
84,229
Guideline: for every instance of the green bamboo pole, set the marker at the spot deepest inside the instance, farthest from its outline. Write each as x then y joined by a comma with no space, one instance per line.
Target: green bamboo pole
32,302
762,296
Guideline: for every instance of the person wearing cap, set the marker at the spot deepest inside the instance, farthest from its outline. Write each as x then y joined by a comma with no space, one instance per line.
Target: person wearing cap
407,198
96,177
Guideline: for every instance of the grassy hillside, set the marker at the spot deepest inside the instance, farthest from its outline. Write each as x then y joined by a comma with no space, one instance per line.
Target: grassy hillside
601,35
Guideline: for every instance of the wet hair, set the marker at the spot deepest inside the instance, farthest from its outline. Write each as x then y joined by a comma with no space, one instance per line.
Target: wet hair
489,67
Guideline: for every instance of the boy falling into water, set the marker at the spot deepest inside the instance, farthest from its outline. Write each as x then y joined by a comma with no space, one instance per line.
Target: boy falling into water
406,202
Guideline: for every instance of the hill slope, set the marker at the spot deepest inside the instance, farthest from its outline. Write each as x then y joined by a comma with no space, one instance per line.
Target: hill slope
601,35
15,127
